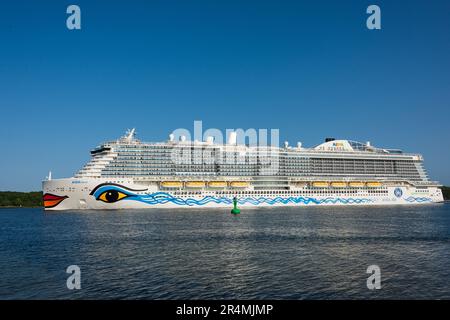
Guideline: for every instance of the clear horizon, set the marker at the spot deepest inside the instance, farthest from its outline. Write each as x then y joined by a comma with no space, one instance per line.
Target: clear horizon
311,70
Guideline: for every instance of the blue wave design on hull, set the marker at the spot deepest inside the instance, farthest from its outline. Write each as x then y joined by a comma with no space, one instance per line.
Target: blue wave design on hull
163,198
418,199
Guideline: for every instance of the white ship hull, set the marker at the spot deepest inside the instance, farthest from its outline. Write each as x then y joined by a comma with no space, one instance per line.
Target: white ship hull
104,194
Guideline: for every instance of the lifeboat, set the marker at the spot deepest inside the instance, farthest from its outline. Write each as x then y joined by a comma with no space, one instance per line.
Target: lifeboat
356,184
171,184
239,184
195,184
217,184
338,184
373,184
320,184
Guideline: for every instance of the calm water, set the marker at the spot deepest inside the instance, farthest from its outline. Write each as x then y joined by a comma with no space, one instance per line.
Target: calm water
294,253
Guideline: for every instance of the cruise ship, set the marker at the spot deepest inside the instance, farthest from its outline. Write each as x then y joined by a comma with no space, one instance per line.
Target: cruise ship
130,174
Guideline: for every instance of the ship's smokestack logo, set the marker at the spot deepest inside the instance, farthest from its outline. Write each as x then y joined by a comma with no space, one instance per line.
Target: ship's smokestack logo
51,200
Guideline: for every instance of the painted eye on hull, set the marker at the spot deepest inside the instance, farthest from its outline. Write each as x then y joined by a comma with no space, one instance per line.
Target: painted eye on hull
112,192
111,196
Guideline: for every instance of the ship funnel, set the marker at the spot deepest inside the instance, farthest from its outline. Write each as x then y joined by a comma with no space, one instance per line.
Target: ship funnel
183,138
286,144
171,137
232,138
299,145
368,144
210,140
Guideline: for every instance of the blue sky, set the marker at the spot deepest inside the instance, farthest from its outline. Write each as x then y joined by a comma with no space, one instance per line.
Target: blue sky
309,68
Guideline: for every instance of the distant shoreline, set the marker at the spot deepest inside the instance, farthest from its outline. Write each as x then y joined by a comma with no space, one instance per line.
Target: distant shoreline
12,199
446,193
15,207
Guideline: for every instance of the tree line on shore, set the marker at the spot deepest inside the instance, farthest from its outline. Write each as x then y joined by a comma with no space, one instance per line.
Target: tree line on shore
20,199
446,192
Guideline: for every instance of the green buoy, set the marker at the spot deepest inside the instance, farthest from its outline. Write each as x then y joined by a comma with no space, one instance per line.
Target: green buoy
235,209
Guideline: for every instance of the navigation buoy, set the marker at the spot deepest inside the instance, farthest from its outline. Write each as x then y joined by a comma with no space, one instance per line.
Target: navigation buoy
235,209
